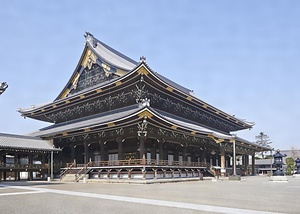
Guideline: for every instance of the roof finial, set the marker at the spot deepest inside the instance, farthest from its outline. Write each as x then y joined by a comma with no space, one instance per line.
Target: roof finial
88,34
89,37
3,87
142,59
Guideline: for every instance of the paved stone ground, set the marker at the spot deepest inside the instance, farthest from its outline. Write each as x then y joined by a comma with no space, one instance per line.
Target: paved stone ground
252,195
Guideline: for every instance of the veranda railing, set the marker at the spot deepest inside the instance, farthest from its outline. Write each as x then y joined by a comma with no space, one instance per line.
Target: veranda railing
136,162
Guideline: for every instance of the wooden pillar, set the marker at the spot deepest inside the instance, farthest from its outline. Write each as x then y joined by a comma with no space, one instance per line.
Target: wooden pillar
213,157
202,156
30,162
223,167
72,160
193,156
153,152
253,164
43,160
60,159
142,147
161,150
16,175
245,164
208,158
176,154
120,148
227,161
86,153
16,159
4,163
16,162
184,154
102,151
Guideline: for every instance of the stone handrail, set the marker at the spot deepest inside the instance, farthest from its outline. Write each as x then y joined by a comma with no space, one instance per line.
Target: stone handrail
82,172
69,167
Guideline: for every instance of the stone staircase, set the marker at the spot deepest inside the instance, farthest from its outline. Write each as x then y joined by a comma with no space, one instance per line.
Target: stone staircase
69,178
74,174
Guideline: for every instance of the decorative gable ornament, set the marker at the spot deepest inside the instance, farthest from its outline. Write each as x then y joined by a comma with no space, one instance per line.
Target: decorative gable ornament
89,59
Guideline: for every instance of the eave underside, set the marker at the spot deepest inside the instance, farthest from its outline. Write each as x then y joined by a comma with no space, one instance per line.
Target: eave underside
128,121
139,92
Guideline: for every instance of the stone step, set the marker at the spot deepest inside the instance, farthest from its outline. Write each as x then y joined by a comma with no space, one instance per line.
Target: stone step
68,178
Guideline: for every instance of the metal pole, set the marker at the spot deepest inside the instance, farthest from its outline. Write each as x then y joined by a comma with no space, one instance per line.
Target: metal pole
52,165
271,171
234,159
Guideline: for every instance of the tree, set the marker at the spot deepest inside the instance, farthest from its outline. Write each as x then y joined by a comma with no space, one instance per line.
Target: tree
290,162
294,153
263,140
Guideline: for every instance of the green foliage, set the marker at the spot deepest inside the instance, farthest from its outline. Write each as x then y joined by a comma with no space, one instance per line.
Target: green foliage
263,140
290,166
289,171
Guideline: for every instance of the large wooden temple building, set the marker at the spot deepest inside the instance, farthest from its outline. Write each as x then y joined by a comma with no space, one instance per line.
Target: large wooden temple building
117,118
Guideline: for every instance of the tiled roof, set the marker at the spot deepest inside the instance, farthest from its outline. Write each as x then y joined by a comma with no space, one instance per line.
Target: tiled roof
191,125
110,55
88,121
24,142
115,58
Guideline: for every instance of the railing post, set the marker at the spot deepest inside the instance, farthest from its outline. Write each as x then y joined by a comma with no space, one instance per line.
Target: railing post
155,173
144,173
172,172
129,173
144,160
118,173
164,173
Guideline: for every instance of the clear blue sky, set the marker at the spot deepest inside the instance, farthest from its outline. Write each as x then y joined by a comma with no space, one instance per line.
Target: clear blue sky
240,56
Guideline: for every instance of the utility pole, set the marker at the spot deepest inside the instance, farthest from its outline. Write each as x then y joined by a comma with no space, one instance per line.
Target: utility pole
234,158
52,165
271,158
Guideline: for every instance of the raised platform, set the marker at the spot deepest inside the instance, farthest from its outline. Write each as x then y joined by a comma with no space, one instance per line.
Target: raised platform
278,179
147,181
137,169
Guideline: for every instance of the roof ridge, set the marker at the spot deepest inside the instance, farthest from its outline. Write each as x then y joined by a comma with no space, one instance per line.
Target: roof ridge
19,136
90,38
